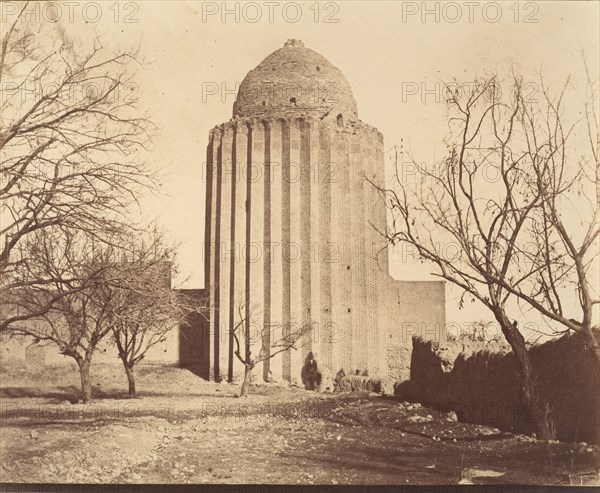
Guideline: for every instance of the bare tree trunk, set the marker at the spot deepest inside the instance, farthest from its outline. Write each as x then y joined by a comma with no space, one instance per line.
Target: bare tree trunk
230,361
131,381
246,382
86,382
535,410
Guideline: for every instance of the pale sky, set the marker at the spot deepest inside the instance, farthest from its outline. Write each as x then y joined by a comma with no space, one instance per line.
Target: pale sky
393,57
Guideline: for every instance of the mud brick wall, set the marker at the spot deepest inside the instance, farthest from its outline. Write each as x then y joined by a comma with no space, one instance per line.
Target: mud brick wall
398,359
481,385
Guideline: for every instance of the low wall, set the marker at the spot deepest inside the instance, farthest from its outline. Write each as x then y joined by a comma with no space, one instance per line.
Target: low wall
481,386
24,351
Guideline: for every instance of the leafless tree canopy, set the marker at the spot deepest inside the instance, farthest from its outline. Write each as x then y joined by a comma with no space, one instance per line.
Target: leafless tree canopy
565,228
73,312
70,138
144,305
491,216
120,287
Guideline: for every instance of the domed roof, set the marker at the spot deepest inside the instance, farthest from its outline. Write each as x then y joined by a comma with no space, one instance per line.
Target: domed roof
297,81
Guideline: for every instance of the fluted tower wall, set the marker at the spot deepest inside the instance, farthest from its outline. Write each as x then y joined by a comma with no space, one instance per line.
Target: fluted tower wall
294,227
291,242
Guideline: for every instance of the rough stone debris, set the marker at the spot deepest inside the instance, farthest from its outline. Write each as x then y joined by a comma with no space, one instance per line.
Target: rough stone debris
359,383
324,380
338,377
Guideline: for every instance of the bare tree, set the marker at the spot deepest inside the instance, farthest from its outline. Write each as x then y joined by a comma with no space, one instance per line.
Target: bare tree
277,343
468,214
144,305
563,232
120,286
77,320
69,141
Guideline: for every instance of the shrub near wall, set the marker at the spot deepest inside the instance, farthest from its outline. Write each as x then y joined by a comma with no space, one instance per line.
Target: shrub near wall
482,386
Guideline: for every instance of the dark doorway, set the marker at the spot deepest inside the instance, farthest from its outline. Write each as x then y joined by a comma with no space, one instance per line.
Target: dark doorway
194,345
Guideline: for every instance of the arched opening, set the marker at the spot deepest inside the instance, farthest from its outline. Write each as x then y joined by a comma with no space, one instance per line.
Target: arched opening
340,120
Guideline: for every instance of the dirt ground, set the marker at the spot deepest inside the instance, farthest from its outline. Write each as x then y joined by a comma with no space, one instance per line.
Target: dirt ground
183,429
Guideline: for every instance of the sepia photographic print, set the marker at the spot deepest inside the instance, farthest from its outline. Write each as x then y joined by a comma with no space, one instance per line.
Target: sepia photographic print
285,245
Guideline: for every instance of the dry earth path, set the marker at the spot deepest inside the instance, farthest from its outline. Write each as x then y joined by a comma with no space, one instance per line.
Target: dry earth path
185,430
